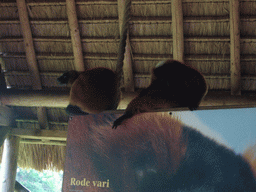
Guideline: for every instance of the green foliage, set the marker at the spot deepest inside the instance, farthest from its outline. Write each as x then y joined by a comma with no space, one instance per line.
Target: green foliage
35,181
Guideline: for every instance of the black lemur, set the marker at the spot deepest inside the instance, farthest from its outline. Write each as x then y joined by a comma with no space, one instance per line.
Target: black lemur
173,84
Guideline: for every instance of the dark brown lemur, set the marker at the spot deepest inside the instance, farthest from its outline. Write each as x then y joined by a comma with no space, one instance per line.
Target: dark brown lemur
92,91
173,84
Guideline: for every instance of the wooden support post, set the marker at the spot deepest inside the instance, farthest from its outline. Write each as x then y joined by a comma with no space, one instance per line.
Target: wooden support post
6,120
9,163
127,68
235,66
28,43
177,30
75,35
4,131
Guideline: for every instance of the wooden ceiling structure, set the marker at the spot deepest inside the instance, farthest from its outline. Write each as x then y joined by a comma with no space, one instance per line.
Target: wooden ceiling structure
41,39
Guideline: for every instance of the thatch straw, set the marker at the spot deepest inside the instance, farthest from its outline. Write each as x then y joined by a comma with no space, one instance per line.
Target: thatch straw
40,11
12,46
211,67
50,29
150,28
40,157
249,83
151,9
15,64
211,28
145,66
56,64
152,47
9,12
247,8
108,63
100,47
53,46
218,48
248,67
205,8
247,28
218,82
97,11
107,28
19,80
10,29
248,47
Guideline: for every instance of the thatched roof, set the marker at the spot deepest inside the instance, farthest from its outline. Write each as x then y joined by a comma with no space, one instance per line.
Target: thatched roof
207,47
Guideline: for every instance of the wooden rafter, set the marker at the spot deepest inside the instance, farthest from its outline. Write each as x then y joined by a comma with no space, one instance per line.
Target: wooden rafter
235,66
177,30
31,55
75,35
127,67
28,44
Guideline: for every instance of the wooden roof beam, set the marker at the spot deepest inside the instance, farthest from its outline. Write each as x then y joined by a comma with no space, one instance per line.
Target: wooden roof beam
235,66
28,44
213,100
177,30
31,56
75,35
128,61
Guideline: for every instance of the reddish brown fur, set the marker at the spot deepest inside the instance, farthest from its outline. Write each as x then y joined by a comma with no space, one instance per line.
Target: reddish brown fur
153,152
115,155
95,90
